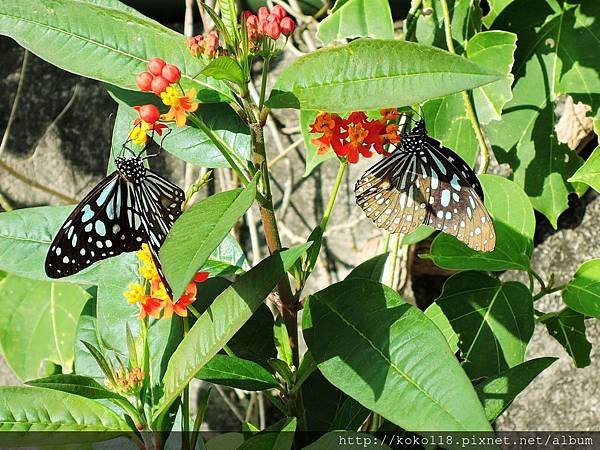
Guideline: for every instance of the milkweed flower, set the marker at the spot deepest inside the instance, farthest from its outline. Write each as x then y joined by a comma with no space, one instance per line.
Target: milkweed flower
356,135
180,105
152,296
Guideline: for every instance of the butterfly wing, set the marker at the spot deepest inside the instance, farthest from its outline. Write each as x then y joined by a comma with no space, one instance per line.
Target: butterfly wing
98,228
391,194
456,199
159,202
426,184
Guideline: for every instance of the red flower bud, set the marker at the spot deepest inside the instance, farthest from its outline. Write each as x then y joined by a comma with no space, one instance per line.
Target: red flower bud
159,84
246,14
263,12
144,80
155,65
171,73
279,11
148,113
287,26
201,276
273,18
191,41
273,30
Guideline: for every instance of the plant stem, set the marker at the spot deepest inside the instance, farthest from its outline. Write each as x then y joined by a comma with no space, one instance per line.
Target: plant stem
185,426
263,83
333,195
484,151
289,303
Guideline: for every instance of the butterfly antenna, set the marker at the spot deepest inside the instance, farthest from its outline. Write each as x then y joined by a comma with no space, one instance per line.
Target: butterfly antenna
160,145
147,146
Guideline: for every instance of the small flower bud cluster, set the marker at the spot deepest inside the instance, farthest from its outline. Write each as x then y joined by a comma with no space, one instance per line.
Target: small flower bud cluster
128,381
270,23
205,44
158,76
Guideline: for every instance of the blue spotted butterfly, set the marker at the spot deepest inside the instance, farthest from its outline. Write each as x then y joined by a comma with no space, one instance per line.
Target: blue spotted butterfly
425,183
131,206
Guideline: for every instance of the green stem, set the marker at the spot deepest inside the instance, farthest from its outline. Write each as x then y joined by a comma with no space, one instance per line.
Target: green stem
538,278
263,83
185,426
333,195
484,151
547,291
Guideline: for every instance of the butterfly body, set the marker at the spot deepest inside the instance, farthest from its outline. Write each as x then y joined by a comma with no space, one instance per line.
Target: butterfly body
425,183
130,206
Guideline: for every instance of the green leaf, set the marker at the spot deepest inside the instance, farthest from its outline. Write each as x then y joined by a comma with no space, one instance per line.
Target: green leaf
387,355
188,143
589,173
75,384
493,49
278,436
39,409
306,368
327,408
568,328
324,80
255,340
372,269
358,18
112,45
582,292
225,441
496,7
84,363
25,236
282,341
222,319
227,259
514,222
229,16
419,234
238,373
496,394
199,231
437,316
40,324
313,158
552,59
225,68
493,320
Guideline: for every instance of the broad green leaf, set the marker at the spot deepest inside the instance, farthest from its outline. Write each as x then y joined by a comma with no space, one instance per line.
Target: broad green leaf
447,122
255,340
84,363
222,320
188,143
497,393
39,325
589,173
358,18
313,158
352,78
390,357
112,45
199,231
228,258
568,328
39,409
437,316
238,373
282,342
75,384
496,7
279,436
493,320
306,368
327,408
419,234
492,49
514,222
552,59
225,441
372,269
224,68
582,292
337,439
229,16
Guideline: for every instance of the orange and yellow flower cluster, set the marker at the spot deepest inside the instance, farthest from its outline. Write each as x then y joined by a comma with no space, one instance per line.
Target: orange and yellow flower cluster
152,295
355,135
